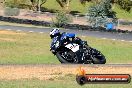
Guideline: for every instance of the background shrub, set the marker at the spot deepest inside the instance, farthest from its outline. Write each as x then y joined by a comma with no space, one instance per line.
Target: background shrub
11,11
62,19
99,14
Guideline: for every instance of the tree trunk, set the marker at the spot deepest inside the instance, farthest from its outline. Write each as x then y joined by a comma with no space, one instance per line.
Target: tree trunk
64,5
67,6
34,8
2,4
15,3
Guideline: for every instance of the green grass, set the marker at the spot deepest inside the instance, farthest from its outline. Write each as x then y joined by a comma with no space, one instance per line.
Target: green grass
65,83
33,48
16,24
122,13
76,6
30,48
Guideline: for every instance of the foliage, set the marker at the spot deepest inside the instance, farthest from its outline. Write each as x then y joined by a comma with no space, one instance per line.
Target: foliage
24,4
11,11
97,15
10,4
125,4
62,19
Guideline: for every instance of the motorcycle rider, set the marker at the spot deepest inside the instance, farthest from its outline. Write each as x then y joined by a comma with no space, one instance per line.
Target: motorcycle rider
64,37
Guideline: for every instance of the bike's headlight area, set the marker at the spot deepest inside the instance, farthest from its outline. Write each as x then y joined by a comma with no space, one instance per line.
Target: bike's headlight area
57,44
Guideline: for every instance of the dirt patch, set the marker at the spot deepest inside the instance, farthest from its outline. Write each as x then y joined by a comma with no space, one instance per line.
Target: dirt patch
7,39
47,72
4,32
125,27
11,32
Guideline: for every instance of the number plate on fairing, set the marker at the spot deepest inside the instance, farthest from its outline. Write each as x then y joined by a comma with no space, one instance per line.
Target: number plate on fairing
74,47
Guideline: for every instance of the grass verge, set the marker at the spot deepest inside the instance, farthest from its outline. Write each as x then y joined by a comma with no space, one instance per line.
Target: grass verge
33,48
16,24
65,83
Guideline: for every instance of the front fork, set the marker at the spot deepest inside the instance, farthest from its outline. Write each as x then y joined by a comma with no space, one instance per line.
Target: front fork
81,55
86,57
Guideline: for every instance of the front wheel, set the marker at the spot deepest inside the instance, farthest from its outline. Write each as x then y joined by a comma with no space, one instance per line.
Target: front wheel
96,56
66,56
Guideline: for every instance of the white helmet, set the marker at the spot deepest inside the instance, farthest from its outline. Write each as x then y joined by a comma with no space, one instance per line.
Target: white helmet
54,32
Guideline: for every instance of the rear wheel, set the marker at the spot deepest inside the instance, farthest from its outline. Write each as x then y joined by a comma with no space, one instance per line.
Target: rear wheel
67,56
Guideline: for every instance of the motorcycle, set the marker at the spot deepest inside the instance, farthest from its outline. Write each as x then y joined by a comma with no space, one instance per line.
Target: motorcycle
78,52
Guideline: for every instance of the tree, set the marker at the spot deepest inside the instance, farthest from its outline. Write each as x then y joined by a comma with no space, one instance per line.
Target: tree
64,4
35,4
124,4
2,3
99,13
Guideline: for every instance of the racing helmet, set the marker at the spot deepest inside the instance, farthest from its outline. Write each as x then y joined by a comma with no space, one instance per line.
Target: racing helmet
54,32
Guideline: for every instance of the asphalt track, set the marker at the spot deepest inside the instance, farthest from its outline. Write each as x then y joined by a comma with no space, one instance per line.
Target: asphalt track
103,35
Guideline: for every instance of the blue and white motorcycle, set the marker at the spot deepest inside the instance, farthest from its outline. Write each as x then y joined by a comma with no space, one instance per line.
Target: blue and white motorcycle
71,49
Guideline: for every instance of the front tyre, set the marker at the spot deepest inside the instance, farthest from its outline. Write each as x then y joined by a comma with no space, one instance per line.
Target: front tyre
66,57
98,57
